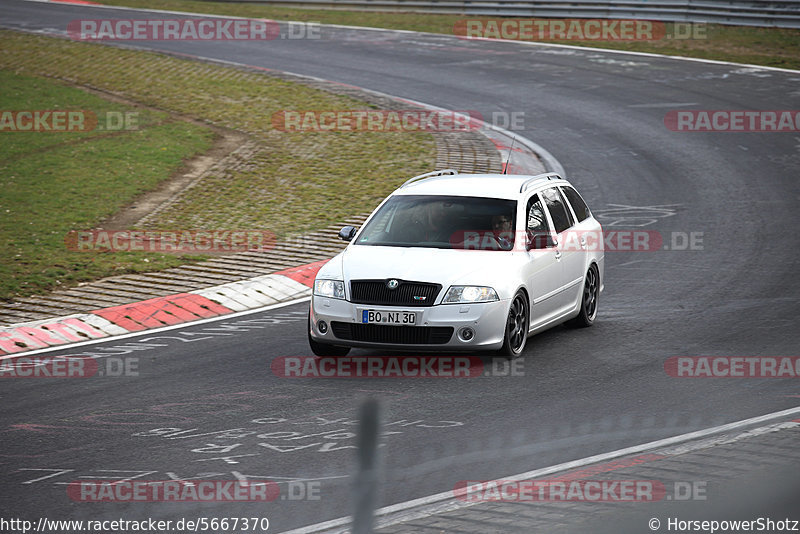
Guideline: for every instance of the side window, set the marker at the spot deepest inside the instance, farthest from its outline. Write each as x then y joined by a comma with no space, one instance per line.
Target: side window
537,221
562,218
578,205
538,229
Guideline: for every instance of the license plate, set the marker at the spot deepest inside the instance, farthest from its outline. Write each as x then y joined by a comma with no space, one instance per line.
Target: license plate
388,317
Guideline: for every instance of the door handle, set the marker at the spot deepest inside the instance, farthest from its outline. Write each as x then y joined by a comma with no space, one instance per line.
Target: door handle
558,254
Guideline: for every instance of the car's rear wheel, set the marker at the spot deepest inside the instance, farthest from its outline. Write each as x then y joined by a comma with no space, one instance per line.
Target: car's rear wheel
325,350
591,292
516,327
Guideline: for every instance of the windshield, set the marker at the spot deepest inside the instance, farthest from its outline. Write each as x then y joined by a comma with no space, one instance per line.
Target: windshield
442,222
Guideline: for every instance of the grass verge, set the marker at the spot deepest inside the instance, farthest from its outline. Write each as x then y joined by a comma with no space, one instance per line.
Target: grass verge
289,183
774,47
56,181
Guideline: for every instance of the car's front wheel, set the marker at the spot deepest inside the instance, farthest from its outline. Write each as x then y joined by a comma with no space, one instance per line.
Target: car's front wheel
591,291
324,349
516,327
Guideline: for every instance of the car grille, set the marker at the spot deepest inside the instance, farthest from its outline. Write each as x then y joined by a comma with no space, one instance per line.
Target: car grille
399,335
376,292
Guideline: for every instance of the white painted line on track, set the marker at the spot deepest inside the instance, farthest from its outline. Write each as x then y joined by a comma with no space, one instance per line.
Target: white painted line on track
405,511
153,330
664,105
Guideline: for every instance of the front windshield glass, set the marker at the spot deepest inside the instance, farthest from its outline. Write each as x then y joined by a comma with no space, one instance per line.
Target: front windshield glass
442,222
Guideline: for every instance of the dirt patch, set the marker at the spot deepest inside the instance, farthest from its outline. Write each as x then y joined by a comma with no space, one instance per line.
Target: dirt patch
226,141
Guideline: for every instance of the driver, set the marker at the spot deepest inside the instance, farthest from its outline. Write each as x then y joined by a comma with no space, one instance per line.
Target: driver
432,226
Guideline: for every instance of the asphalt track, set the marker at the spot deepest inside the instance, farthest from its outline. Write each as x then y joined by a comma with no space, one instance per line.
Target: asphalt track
578,393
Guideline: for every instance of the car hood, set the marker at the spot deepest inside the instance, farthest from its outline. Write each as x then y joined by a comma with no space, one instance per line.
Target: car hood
442,266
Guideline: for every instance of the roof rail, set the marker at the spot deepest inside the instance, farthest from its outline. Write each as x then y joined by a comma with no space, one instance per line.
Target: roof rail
529,182
429,175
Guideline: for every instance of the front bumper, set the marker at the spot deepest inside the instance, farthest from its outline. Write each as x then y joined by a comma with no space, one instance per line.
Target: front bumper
343,319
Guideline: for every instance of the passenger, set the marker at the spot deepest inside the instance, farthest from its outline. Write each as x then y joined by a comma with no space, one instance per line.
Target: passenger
503,229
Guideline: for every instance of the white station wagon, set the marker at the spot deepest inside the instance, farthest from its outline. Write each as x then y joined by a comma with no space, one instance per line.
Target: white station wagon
461,262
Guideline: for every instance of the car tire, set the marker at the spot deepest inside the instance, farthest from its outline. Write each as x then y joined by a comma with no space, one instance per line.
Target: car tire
591,291
325,350
516,329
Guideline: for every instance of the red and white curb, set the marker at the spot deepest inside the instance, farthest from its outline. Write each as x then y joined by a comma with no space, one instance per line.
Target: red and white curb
286,285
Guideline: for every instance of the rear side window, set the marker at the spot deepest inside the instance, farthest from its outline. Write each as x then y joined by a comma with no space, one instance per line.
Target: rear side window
562,219
537,223
578,205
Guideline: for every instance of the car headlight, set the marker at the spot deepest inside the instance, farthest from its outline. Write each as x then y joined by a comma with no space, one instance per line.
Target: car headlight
329,288
461,294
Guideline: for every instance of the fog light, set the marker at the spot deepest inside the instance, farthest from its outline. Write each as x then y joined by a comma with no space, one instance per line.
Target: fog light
322,326
466,334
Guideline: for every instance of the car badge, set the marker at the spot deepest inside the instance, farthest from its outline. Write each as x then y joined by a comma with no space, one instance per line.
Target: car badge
419,298
392,284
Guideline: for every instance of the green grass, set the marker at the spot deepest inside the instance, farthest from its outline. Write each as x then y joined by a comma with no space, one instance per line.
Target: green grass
773,47
55,182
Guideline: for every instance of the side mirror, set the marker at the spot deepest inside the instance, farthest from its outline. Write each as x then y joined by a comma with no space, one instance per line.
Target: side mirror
540,240
347,233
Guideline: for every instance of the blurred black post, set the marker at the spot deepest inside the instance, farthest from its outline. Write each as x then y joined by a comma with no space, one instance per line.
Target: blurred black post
366,480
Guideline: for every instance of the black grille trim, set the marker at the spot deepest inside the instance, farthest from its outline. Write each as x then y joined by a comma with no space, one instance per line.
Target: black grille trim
375,292
398,335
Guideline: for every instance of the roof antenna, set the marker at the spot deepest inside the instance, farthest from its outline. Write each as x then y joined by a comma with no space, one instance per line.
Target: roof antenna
508,159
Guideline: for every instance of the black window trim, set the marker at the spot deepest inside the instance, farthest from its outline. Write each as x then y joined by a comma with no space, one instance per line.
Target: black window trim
569,213
575,215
